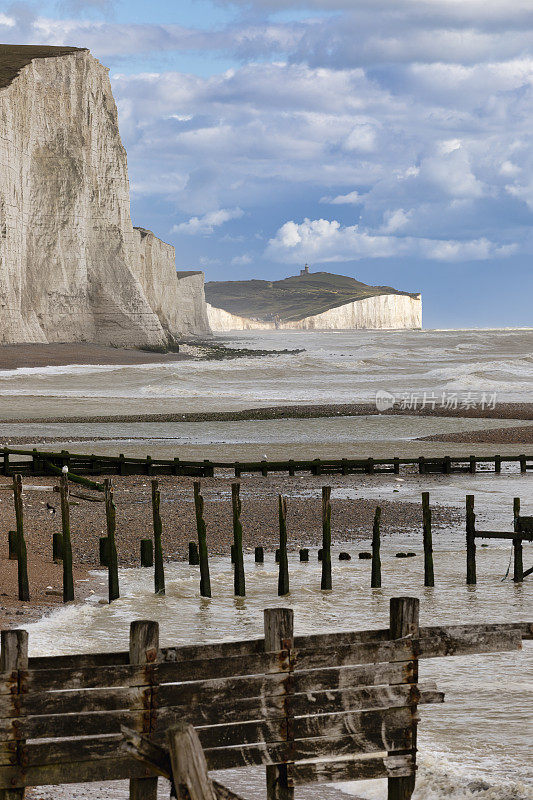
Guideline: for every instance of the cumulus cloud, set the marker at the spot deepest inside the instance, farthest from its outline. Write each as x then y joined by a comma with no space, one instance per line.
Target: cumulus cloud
206,224
322,240
416,112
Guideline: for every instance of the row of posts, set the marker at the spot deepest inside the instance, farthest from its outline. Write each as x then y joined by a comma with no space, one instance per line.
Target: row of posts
152,552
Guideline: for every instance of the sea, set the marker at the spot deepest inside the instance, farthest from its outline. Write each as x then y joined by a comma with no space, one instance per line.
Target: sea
478,743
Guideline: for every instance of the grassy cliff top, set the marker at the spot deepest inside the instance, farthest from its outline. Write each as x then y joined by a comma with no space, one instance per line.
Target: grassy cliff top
13,57
290,299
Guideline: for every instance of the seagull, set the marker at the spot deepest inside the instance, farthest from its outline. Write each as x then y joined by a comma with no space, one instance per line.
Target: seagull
64,470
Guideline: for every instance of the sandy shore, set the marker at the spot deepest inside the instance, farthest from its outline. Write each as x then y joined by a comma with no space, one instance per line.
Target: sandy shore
351,522
18,356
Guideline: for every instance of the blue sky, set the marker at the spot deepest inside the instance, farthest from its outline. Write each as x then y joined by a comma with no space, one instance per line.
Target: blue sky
389,140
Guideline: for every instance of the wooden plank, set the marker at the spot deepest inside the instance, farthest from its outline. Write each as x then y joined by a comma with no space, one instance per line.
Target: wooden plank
476,642
526,535
73,772
278,753
366,698
345,655
68,725
359,769
333,678
388,729
77,702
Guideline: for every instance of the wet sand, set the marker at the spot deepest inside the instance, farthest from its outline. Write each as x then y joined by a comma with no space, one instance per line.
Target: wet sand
505,436
49,409
19,356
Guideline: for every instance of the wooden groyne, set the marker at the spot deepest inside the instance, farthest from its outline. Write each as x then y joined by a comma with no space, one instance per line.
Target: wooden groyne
41,462
151,552
311,709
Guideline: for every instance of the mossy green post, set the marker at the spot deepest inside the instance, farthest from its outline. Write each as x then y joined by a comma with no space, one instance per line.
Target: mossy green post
238,575
429,576
375,578
205,579
66,544
112,558
325,583
283,577
159,572
22,556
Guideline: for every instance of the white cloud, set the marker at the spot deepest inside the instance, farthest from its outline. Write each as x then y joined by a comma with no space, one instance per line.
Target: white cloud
395,220
241,261
352,198
322,240
206,224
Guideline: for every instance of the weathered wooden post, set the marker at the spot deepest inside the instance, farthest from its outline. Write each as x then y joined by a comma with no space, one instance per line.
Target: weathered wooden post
189,767
447,465
326,538
470,540
144,651
194,556
429,577
259,555
375,580
518,562
304,554
205,580
57,547
472,465
14,657
159,572
279,635
238,574
523,464
147,553
112,559
22,555
12,544
66,545
283,577
497,464
404,621
104,558
422,465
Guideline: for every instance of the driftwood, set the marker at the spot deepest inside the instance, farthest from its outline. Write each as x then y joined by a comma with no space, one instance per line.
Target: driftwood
158,758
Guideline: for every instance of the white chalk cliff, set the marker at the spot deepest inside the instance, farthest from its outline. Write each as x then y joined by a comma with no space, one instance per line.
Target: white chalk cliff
72,266
384,311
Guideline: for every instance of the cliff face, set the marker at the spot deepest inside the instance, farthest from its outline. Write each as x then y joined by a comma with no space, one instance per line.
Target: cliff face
72,267
385,311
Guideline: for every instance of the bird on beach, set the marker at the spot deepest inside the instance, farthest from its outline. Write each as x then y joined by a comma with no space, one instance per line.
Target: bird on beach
51,509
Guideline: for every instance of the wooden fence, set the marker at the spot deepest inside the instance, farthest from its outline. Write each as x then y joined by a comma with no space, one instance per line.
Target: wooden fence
42,462
282,701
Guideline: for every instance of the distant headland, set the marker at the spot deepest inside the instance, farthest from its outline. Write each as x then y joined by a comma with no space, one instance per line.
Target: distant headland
310,301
